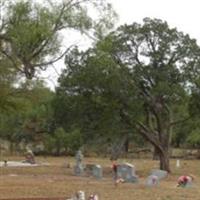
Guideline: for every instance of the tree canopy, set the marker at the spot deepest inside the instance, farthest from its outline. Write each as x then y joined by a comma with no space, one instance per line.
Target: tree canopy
140,81
30,32
135,79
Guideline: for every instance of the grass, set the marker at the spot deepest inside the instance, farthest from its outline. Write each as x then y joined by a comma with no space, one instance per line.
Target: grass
56,180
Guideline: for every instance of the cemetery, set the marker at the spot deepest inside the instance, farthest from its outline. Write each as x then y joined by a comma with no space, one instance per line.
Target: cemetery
57,181
94,107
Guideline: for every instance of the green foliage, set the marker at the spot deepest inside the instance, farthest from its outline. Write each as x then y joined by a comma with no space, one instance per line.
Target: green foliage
31,31
141,78
49,143
194,137
92,95
74,140
30,40
137,78
32,116
62,142
56,142
7,80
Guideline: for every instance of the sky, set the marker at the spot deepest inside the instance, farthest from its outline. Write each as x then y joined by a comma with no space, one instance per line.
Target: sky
182,14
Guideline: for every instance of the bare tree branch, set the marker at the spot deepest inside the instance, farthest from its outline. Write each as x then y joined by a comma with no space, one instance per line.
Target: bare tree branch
55,60
147,133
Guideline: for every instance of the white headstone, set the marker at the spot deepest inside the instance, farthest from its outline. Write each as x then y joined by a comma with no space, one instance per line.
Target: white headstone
178,163
93,197
81,195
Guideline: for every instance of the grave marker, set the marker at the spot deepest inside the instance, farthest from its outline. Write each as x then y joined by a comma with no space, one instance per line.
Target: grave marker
159,173
97,171
152,180
79,169
178,163
29,157
127,173
94,171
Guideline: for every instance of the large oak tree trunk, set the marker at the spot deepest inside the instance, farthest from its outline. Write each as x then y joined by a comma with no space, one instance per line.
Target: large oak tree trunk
161,144
164,160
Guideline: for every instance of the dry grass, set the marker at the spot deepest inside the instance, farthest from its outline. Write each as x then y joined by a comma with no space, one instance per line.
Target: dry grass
57,181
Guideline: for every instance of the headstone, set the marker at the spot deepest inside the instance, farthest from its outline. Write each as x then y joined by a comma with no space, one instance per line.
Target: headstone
93,197
127,173
80,195
178,163
29,157
152,180
97,171
159,173
94,171
79,169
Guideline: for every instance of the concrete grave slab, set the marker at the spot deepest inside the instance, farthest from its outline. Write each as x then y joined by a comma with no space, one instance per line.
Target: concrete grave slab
21,164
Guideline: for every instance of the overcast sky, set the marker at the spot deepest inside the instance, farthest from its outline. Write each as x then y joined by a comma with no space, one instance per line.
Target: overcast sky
182,14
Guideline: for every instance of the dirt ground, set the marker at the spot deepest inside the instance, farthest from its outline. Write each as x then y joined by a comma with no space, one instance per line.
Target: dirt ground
57,181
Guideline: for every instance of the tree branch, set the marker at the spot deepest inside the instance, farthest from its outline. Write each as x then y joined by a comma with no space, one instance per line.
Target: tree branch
55,60
145,132
180,121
